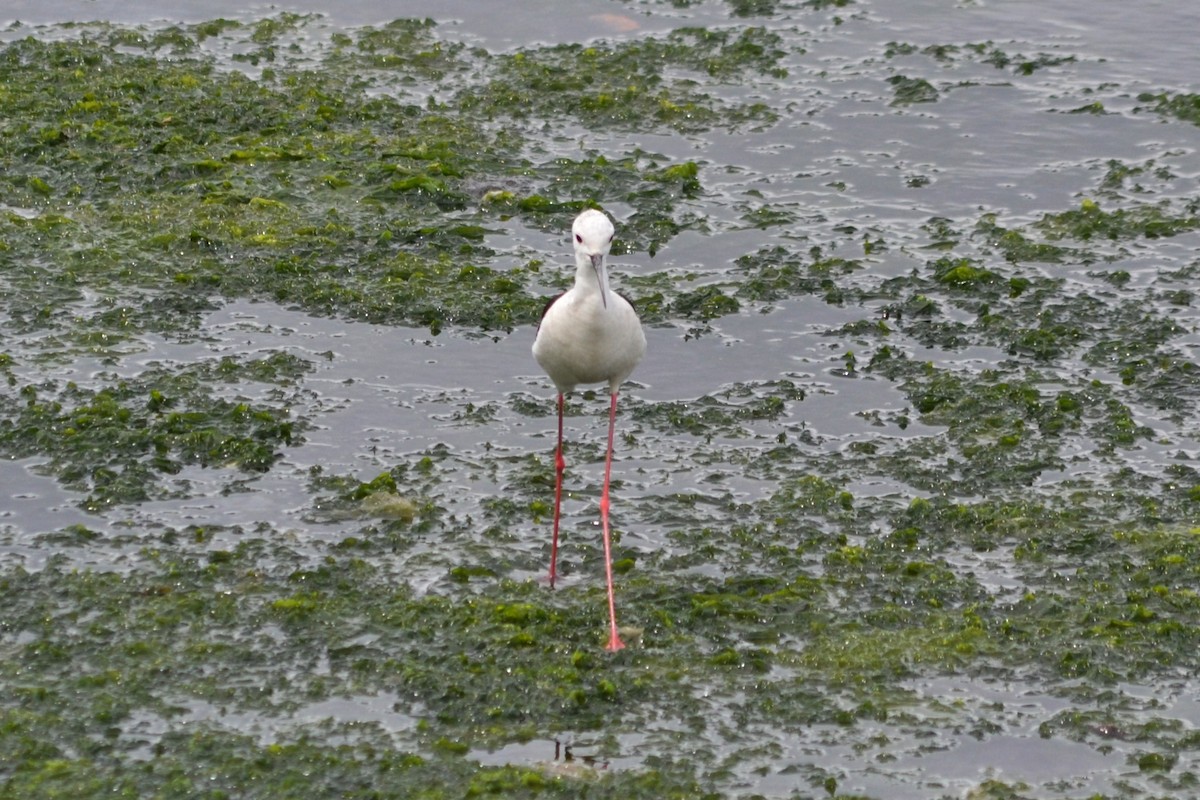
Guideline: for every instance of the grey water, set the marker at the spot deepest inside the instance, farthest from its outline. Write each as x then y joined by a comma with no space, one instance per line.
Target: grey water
382,391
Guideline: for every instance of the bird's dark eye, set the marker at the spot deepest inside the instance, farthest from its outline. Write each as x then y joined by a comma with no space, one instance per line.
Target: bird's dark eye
611,238
579,238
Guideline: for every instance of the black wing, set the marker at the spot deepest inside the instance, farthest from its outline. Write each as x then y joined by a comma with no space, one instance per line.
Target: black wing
546,308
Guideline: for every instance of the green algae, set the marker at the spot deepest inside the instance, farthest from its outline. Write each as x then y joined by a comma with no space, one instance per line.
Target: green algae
724,413
775,272
234,206
1181,106
912,90
362,769
622,86
808,606
394,496
406,46
1008,428
1090,221
983,52
119,444
312,198
1018,247
176,631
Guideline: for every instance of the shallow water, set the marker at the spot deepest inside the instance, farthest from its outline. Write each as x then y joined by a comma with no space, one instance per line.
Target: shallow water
844,165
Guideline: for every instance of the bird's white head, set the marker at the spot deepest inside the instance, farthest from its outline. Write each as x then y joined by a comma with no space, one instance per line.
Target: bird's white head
593,233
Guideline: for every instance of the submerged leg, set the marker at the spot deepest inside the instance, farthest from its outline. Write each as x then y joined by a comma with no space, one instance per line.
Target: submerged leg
614,639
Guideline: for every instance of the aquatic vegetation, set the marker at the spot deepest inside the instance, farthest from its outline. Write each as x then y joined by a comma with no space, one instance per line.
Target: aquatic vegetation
1017,247
1183,106
983,52
409,47
311,197
776,272
1005,495
723,413
623,86
1090,221
162,634
912,90
117,443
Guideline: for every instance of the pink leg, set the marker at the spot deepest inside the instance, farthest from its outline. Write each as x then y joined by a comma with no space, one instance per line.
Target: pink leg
614,640
559,466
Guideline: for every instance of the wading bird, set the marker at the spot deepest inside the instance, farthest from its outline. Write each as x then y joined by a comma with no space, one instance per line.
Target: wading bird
588,335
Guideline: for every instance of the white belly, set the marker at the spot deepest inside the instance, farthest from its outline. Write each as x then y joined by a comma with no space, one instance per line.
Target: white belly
586,343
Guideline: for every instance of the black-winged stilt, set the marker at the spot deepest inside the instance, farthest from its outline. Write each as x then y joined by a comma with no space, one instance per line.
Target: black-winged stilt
589,334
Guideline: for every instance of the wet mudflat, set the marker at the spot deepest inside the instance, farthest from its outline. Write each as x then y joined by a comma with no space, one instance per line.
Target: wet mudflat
906,495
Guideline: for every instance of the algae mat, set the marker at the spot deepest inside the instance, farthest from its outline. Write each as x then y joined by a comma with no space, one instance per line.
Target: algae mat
906,497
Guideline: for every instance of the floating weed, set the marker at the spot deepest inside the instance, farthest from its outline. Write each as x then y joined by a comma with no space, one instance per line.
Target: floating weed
724,414
1131,613
962,274
703,304
1017,247
983,52
912,90
768,217
119,442
403,500
229,629
640,180
938,525
1121,179
774,273
1181,106
1047,553
308,194
623,86
1007,428
1089,222
389,505
753,8
300,766
404,47
941,233
808,506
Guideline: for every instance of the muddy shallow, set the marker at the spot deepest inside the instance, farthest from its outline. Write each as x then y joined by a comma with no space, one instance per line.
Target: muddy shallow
905,484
